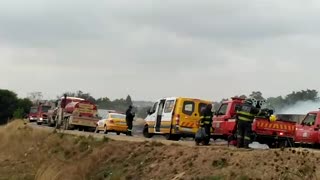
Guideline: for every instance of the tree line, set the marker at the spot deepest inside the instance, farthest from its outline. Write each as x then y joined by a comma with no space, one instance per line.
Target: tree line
120,105
279,103
104,102
13,107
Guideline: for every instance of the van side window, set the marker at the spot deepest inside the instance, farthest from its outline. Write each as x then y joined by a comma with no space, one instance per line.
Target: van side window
202,106
223,109
188,107
168,106
154,107
309,120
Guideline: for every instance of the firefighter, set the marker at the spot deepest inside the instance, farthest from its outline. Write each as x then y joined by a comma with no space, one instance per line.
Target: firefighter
129,119
245,116
206,123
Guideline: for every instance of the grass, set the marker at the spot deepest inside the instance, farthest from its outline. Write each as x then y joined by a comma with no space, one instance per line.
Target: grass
217,177
243,177
156,143
220,163
84,157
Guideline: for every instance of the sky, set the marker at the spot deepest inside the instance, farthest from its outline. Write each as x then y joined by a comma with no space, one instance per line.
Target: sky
209,49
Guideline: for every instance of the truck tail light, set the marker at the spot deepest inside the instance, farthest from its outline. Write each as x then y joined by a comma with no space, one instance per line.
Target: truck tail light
281,133
178,119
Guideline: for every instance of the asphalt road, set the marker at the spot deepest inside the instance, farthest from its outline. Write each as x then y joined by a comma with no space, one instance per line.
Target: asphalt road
137,136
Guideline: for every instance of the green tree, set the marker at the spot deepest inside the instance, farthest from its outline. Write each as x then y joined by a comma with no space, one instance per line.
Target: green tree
79,94
18,113
279,103
35,97
24,104
142,112
128,100
275,103
303,95
257,95
8,104
117,104
104,103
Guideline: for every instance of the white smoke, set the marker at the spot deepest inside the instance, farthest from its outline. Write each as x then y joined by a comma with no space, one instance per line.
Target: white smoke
301,107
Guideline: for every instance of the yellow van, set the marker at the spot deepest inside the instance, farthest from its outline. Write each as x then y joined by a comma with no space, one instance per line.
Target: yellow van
174,117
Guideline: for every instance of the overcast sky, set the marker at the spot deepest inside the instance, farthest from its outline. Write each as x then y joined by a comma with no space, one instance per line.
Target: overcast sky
154,48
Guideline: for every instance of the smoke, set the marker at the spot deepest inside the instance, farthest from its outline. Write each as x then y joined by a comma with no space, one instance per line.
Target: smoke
301,107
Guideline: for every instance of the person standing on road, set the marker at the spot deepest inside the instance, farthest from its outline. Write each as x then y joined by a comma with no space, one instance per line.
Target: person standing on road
245,116
206,123
129,119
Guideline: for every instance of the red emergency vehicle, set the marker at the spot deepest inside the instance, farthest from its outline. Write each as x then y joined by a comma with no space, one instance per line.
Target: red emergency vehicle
39,114
307,132
274,134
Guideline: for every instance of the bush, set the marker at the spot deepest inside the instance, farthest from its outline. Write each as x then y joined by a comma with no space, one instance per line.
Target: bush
18,113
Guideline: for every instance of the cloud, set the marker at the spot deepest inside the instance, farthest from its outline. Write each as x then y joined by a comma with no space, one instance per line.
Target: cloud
150,49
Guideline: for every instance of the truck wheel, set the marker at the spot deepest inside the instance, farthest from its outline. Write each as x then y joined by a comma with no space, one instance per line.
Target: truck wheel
105,130
168,136
173,137
176,137
146,133
118,133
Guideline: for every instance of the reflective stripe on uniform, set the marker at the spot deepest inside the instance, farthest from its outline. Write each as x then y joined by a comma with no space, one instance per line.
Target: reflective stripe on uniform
245,116
247,138
205,117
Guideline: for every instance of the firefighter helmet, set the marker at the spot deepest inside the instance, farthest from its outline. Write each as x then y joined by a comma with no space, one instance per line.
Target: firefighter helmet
272,118
251,101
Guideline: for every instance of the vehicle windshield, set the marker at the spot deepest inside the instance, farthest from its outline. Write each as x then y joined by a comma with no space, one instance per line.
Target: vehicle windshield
310,119
118,116
33,110
45,108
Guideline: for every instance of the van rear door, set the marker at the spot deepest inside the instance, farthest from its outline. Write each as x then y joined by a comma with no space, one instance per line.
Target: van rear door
167,114
189,116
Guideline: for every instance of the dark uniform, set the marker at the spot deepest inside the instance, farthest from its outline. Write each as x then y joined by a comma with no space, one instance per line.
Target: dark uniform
129,120
245,116
206,122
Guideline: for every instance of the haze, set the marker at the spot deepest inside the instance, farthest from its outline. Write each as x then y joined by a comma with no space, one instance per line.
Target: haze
150,49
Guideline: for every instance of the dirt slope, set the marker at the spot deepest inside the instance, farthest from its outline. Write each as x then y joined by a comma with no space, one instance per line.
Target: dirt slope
29,153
